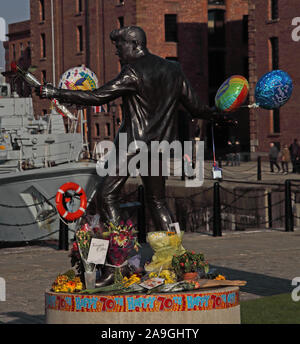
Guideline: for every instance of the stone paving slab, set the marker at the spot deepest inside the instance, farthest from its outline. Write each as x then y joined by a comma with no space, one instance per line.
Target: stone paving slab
267,260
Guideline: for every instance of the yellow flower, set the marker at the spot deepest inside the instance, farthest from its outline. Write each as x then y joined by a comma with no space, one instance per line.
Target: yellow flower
152,274
220,277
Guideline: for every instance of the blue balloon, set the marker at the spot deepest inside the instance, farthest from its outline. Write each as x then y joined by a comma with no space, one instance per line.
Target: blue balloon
273,89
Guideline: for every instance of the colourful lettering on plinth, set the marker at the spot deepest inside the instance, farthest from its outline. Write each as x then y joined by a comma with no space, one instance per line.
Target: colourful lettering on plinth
142,303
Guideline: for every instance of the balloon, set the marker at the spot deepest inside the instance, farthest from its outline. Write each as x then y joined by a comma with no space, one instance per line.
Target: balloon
232,93
79,78
273,89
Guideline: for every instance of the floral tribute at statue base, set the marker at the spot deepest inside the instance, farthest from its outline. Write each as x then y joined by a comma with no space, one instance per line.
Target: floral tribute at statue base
171,269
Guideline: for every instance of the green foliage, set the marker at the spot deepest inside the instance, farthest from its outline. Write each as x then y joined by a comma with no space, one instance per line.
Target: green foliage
189,262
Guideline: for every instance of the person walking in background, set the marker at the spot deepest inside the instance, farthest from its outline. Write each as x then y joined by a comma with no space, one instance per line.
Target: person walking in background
273,156
237,153
294,150
229,155
285,159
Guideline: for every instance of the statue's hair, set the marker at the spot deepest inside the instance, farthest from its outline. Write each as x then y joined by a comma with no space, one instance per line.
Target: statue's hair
130,33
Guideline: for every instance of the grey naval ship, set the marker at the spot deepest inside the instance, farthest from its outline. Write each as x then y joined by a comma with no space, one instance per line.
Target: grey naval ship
37,156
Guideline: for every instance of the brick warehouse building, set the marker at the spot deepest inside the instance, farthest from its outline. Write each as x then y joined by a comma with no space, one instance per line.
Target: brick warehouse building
274,44
208,38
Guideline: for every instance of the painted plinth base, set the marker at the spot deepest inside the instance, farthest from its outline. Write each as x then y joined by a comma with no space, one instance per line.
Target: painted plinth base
209,306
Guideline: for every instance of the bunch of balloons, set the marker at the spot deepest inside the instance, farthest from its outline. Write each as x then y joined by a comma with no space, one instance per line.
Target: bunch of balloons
272,91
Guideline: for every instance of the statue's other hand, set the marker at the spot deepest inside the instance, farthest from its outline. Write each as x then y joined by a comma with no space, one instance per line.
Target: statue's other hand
46,91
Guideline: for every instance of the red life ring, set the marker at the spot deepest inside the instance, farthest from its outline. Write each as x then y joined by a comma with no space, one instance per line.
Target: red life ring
60,197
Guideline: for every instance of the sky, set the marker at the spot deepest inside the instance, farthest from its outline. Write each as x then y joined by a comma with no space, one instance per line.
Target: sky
12,11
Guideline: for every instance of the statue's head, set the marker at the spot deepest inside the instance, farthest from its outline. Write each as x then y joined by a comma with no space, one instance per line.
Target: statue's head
130,42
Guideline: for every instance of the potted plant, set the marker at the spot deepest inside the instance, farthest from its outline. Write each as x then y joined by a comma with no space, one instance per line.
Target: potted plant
188,264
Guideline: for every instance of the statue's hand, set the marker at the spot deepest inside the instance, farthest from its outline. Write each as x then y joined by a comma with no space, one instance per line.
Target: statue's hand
47,91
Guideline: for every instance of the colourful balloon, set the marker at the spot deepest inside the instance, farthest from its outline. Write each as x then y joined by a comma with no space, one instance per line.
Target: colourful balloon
79,78
273,89
232,93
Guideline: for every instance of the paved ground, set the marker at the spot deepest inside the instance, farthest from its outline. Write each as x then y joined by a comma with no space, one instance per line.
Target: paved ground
267,260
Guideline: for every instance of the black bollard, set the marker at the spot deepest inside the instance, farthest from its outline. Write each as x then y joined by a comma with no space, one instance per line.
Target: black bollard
270,215
289,217
141,216
63,243
217,230
258,168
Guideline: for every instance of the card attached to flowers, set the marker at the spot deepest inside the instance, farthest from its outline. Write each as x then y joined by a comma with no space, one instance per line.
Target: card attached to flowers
152,282
98,251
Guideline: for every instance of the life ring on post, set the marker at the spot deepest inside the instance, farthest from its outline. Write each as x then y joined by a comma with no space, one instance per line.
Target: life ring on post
60,201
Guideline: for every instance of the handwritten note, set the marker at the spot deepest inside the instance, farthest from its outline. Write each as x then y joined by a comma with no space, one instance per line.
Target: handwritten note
98,251
176,226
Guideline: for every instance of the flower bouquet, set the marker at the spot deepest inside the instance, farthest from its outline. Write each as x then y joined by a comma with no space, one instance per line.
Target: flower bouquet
122,239
90,228
67,283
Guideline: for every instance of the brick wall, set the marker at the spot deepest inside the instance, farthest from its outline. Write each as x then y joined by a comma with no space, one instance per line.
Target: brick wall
260,31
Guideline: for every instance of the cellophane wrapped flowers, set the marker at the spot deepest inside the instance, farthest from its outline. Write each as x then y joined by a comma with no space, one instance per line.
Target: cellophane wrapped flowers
122,239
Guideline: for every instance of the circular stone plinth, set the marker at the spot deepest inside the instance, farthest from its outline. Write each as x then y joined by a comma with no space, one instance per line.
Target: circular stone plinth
206,306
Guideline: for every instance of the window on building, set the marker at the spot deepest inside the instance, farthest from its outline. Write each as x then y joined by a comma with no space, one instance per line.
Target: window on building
43,45
274,53
14,51
273,9
79,6
245,29
216,28
171,27
42,10
107,129
79,38
21,49
97,126
216,2
44,76
29,48
216,68
275,121
172,58
121,22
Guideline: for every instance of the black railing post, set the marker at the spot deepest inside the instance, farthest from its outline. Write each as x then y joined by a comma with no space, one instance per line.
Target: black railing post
289,218
141,215
63,243
270,215
217,230
258,168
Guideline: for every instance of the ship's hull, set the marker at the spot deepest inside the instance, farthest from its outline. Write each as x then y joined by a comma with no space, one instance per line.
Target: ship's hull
27,199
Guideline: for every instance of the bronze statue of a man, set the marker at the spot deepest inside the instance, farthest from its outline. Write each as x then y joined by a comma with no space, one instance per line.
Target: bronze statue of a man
152,88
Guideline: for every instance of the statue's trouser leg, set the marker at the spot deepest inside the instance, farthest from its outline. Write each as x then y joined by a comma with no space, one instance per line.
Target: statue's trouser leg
110,190
155,196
